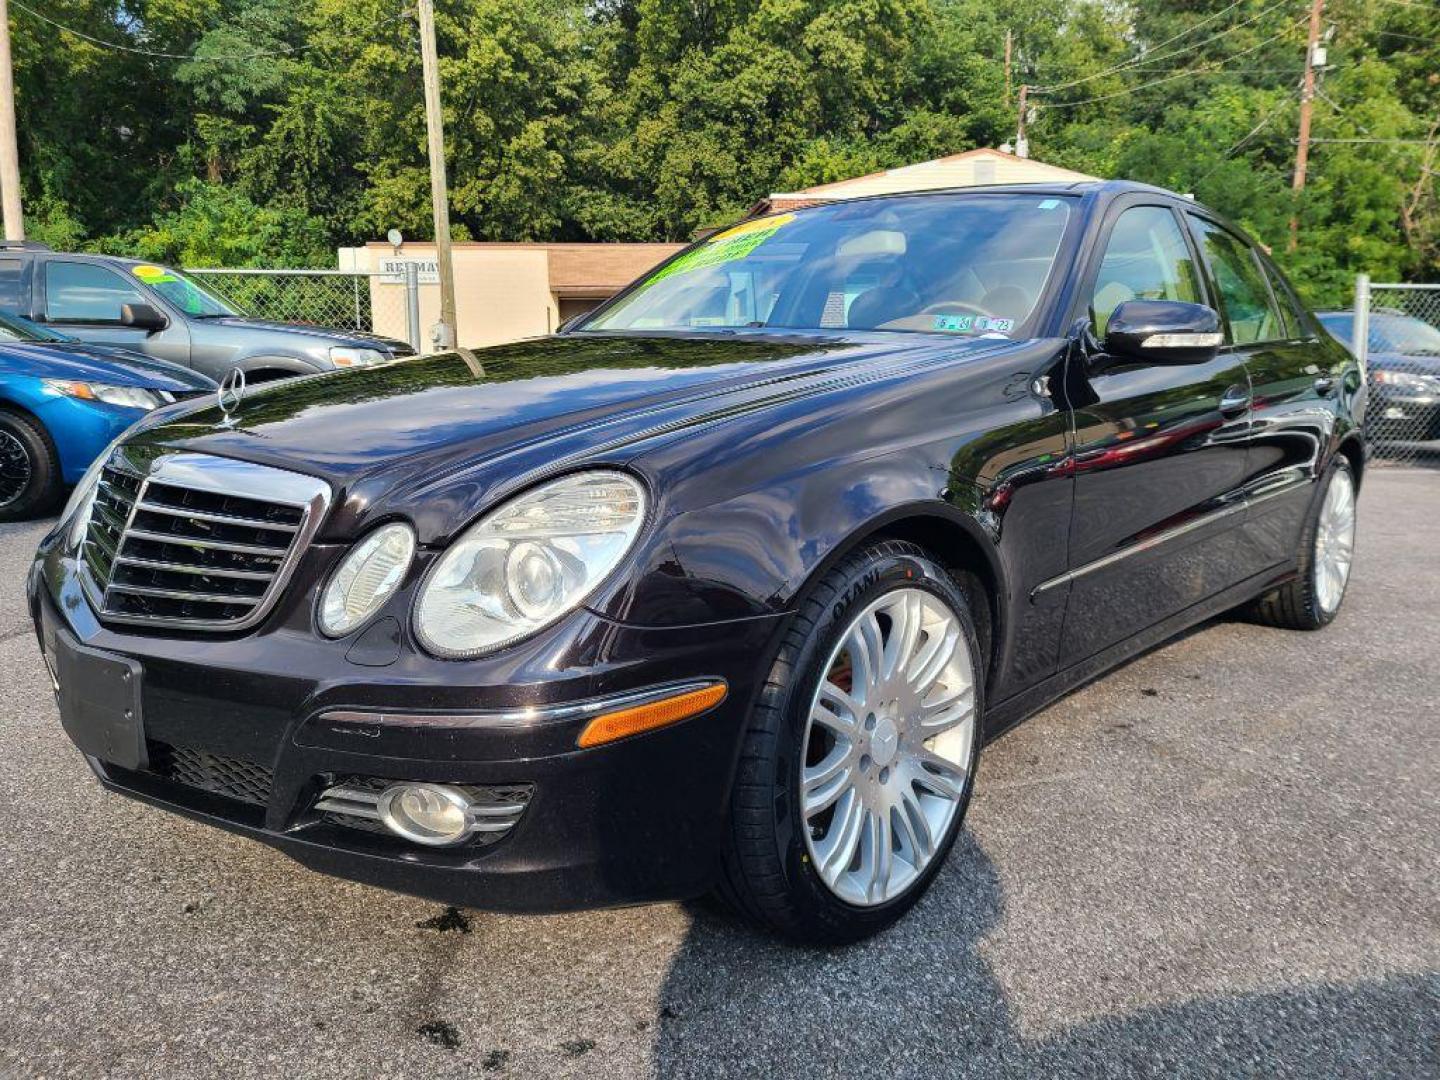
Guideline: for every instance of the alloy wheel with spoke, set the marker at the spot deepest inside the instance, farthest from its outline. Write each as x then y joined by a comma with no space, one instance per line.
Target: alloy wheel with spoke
15,468
888,746
1334,542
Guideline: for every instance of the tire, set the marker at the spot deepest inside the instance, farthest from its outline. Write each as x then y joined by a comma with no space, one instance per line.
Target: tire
1310,602
30,481
789,868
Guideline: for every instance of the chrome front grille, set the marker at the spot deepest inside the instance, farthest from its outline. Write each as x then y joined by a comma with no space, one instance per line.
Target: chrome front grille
195,541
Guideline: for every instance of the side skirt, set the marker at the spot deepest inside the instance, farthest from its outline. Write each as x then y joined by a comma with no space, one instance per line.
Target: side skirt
1004,715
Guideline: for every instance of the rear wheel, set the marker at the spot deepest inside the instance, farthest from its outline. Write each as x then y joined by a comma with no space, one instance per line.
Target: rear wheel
858,763
1327,550
30,481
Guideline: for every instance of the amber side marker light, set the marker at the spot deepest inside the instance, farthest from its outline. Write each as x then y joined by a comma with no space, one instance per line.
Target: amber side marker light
656,714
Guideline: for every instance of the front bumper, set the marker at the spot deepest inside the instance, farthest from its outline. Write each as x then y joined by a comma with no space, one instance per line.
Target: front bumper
1395,415
632,821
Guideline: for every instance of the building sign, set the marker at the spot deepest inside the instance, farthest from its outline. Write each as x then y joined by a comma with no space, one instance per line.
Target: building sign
392,271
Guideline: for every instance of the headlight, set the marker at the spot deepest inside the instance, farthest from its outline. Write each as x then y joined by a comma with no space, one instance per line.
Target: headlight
343,356
366,578
1415,384
130,397
529,562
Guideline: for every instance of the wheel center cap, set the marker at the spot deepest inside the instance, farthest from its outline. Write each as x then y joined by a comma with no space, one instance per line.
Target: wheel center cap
884,741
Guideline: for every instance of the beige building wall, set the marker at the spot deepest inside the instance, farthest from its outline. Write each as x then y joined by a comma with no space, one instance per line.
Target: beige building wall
503,291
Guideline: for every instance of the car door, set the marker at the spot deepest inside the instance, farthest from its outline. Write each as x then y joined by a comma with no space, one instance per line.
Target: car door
1294,380
84,299
1159,455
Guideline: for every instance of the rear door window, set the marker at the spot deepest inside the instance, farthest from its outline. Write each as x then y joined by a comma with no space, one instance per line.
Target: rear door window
1285,299
78,292
10,285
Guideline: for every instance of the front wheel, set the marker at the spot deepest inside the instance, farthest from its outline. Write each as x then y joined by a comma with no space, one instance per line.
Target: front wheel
1327,549
30,481
860,756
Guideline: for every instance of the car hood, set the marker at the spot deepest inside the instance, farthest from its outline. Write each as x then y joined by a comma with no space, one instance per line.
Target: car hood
333,335
99,363
433,438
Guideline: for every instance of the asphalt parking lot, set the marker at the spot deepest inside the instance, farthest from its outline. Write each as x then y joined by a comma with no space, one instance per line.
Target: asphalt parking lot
1219,860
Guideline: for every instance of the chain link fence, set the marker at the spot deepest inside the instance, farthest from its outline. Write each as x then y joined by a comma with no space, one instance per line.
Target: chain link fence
376,303
1396,335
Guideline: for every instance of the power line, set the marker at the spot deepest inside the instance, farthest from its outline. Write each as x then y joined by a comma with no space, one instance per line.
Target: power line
1239,145
1214,67
287,50
1149,57
1407,37
1404,142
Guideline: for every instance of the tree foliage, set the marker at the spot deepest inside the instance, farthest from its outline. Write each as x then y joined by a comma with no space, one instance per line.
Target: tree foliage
279,129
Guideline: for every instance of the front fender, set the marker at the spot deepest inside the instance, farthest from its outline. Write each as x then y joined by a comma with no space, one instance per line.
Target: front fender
293,365
751,555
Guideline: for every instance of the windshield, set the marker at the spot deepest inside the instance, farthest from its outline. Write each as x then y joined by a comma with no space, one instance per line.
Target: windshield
15,328
183,291
950,264
1388,333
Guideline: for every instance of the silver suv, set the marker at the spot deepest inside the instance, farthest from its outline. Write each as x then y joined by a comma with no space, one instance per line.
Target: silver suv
163,313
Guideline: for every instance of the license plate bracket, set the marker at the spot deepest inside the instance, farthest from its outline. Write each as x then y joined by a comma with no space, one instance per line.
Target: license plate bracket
99,695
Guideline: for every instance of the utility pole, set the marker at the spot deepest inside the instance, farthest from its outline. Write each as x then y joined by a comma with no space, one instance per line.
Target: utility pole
1008,45
1307,99
439,194
1022,145
9,146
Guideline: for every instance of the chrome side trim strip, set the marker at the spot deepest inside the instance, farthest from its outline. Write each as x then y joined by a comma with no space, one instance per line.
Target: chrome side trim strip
1152,542
537,714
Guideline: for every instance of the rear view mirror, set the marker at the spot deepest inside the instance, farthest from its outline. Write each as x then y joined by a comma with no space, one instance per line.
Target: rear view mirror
1164,332
142,317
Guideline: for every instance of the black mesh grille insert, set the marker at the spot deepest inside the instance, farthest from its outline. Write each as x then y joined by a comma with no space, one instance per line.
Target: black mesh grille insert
232,777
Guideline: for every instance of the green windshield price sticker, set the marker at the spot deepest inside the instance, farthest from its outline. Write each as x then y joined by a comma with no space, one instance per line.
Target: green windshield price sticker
153,275
725,247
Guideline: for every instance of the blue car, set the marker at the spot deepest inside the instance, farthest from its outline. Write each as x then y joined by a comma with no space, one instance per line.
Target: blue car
62,401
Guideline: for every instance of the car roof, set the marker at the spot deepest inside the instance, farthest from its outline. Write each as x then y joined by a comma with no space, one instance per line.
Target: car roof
1109,188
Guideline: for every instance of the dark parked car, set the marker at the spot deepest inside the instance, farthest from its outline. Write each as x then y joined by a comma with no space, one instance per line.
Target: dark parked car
62,402
726,587
1402,364
169,315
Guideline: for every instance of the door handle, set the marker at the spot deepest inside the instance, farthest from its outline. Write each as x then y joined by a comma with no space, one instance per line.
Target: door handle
1234,401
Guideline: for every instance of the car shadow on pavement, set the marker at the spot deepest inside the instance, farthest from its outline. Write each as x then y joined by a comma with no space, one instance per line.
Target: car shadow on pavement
922,1001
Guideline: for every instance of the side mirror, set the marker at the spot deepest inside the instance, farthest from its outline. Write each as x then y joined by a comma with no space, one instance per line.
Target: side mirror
142,317
1164,332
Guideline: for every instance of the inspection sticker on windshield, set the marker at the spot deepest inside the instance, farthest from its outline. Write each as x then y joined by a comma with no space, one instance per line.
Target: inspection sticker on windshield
954,324
726,246
1003,326
152,275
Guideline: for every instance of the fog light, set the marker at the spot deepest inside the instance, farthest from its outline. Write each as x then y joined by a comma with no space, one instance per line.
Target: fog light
426,813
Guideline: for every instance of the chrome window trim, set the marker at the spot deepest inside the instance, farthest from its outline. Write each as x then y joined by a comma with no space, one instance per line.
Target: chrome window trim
220,476
1152,542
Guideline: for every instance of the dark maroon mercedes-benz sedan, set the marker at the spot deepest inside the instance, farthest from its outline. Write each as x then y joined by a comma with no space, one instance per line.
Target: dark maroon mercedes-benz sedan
724,587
